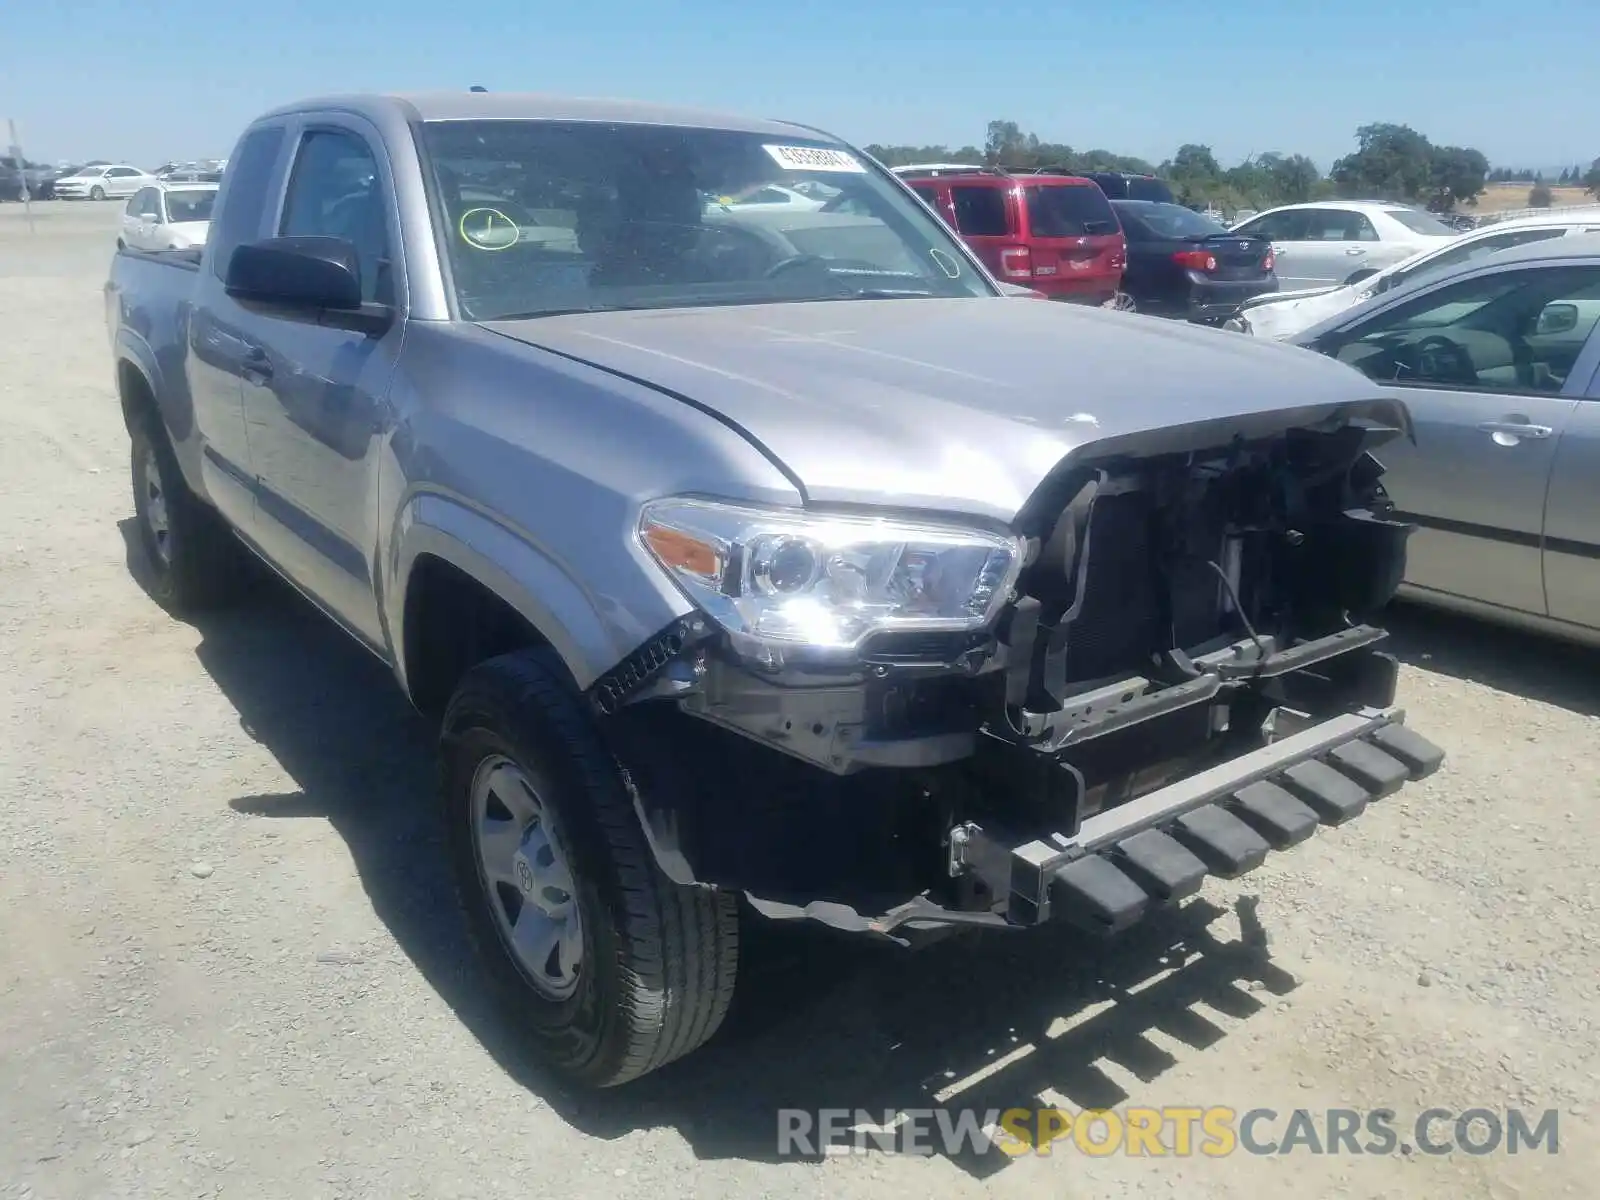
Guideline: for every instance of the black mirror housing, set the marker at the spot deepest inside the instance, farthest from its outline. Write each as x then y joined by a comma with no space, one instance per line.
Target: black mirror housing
305,274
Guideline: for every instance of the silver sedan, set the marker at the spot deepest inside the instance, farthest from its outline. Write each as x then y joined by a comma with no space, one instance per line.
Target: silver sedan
1499,363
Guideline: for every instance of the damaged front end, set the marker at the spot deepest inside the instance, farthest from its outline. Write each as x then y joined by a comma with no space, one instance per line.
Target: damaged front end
1161,671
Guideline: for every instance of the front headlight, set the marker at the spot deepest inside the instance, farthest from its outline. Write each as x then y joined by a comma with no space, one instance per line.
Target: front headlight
827,581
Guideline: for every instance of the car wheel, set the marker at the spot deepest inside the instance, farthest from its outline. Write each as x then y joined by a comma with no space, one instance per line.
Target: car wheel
192,558
1121,302
608,967
97,192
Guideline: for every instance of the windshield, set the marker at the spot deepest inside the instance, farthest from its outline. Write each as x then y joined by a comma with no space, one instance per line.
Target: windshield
1420,222
540,217
1172,220
1068,210
190,206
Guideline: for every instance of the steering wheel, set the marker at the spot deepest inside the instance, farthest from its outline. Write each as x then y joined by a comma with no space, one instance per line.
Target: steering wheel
1437,357
795,262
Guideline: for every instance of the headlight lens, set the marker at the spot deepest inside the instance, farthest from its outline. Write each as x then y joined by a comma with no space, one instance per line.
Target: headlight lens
828,581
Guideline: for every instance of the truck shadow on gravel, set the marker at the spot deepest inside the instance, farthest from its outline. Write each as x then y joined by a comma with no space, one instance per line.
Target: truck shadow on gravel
820,1021
1508,660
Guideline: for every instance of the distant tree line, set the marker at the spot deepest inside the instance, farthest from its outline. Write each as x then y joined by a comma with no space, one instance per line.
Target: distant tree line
1391,162
1570,177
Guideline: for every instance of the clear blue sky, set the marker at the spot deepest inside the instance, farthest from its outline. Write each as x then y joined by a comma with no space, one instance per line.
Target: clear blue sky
1133,76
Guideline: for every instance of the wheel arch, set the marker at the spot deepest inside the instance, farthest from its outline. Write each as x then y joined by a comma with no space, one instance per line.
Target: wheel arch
136,383
467,588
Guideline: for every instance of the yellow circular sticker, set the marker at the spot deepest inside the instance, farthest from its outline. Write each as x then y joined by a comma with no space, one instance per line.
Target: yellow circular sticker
488,229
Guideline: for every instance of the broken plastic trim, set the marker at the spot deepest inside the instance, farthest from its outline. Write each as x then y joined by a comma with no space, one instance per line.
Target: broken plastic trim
636,672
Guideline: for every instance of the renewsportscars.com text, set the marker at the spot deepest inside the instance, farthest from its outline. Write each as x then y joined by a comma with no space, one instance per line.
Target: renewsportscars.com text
1179,1132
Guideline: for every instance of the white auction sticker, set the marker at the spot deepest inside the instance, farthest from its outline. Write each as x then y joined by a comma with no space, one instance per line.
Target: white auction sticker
813,158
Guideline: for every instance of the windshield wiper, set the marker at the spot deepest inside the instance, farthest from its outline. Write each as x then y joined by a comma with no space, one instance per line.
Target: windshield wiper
883,294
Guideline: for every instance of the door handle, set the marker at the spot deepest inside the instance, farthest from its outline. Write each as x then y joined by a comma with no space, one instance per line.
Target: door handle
256,367
1515,429
1354,250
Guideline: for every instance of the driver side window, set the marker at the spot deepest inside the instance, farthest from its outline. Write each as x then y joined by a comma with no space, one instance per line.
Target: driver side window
336,190
1516,331
1276,227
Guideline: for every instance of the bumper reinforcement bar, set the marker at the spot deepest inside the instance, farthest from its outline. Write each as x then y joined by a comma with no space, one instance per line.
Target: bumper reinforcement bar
1159,848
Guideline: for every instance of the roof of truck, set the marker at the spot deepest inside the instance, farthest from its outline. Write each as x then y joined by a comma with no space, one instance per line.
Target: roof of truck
464,106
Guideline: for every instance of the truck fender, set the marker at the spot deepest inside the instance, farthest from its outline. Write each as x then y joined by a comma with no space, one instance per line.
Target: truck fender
132,351
519,573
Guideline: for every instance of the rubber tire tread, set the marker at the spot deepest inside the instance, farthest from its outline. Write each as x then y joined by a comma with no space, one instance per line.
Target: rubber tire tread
208,563
676,947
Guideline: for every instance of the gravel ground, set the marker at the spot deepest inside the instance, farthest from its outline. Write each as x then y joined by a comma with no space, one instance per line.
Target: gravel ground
229,966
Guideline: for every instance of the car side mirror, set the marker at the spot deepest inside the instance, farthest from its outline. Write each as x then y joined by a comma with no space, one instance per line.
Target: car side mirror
301,273
314,277
1559,317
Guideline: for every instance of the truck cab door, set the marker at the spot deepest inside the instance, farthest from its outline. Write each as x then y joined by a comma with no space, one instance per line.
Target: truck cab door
217,347
315,397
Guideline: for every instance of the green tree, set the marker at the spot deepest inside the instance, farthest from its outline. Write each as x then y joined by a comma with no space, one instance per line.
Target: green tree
1391,162
1539,196
1005,143
1591,179
1456,175
1295,179
1195,175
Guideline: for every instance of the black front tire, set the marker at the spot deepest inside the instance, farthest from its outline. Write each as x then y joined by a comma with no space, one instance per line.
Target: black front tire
192,560
97,193
658,959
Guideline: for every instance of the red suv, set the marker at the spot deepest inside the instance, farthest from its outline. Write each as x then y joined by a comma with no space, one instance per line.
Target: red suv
1058,234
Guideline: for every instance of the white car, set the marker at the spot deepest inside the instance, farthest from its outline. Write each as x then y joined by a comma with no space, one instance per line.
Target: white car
173,216
1342,241
1283,315
108,181
768,196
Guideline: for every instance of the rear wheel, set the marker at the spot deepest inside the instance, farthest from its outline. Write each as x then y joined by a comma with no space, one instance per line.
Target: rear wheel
610,968
1121,302
194,561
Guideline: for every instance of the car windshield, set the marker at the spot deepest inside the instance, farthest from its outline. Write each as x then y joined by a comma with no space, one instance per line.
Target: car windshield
1174,220
190,205
1420,222
1068,210
541,217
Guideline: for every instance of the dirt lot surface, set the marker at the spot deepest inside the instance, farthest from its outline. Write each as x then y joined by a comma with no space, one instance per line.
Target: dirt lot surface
228,964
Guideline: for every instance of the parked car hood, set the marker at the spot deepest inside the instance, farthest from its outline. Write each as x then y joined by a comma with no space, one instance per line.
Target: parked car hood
957,405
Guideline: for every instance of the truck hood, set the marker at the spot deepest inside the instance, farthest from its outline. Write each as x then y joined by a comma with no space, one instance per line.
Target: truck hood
963,406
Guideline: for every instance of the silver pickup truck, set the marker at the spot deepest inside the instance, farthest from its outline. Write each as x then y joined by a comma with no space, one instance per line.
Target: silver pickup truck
759,557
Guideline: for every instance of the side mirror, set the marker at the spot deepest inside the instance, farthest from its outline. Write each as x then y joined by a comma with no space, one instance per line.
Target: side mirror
1559,317
316,278
303,274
